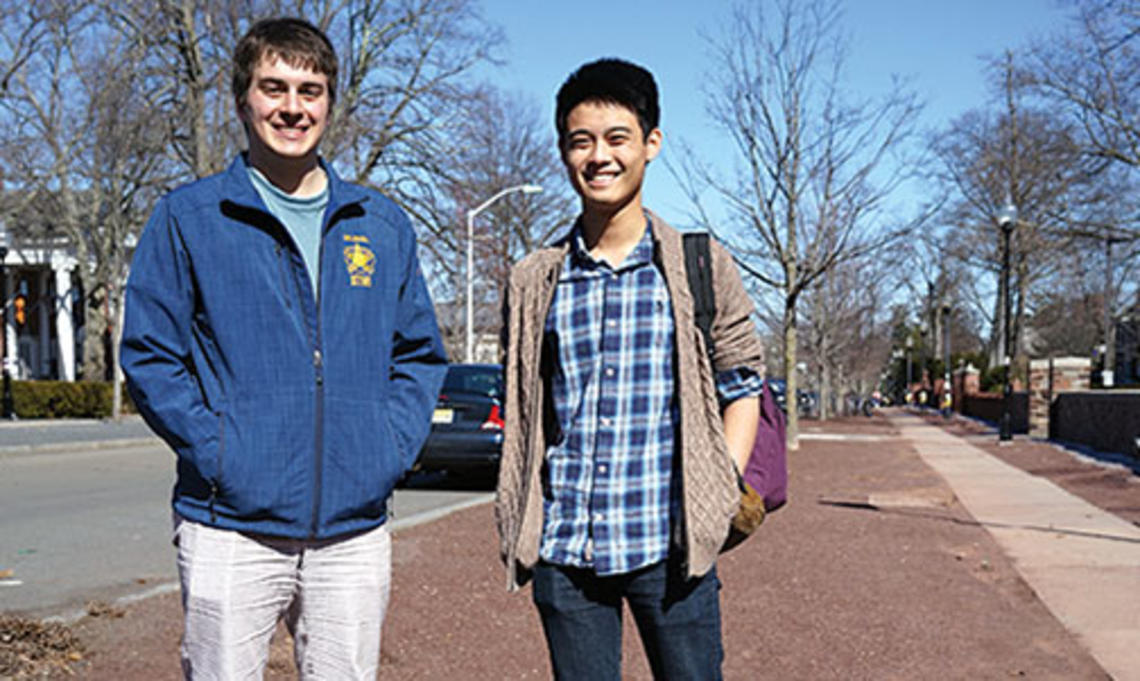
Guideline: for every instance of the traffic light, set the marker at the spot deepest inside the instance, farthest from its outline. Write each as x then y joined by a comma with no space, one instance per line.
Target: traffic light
20,305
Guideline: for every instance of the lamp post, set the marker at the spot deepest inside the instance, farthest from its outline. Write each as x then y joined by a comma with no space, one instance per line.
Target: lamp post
470,339
1007,220
923,366
6,409
896,356
1107,373
947,395
906,390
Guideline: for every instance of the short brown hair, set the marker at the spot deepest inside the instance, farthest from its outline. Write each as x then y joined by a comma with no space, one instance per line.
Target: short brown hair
295,41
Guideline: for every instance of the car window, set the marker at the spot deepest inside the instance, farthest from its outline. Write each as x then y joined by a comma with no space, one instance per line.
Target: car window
478,380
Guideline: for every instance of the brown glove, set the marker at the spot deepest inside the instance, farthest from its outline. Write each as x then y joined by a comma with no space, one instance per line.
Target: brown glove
749,516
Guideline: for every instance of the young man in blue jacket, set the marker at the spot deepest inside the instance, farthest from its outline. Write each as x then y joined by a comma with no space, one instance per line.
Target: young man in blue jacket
280,337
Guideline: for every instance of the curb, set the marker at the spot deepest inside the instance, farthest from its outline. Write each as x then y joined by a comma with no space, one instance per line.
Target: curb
9,451
73,615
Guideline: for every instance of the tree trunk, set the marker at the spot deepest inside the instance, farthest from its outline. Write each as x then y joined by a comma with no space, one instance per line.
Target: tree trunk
94,360
824,389
116,297
793,432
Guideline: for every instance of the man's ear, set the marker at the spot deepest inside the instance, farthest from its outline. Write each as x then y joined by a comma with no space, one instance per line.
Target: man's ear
653,143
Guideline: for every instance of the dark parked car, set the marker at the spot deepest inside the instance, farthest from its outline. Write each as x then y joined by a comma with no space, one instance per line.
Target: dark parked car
807,400
467,425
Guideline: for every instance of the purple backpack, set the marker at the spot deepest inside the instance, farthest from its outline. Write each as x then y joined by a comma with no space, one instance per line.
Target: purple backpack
767,467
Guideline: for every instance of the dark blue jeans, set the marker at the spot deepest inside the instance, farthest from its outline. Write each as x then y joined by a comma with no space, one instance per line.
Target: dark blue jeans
678,619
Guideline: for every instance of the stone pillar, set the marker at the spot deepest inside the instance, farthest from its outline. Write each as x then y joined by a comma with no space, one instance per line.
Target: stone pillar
1047,378
64,331
46,305
965,382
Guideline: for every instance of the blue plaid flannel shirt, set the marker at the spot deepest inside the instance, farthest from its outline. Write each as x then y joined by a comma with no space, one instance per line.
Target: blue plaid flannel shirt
609,493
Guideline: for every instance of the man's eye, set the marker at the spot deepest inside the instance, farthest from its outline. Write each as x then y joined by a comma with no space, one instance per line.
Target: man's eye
312,92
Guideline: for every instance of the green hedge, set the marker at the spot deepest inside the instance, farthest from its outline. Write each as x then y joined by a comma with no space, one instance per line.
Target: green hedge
64,400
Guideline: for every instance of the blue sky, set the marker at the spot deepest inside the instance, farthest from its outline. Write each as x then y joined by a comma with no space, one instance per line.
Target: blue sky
937,45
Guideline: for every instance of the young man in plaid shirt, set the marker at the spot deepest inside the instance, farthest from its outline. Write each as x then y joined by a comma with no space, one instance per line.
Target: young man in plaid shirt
618,477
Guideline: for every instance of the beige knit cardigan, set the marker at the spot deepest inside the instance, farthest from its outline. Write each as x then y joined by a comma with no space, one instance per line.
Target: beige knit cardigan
708,478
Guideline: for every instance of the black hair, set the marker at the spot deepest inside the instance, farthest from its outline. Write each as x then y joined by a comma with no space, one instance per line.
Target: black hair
613,81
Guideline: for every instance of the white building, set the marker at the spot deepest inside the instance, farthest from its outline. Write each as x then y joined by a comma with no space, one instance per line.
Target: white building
49,342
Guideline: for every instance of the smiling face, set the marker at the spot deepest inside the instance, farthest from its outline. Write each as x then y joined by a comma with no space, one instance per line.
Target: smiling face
605,153
285,112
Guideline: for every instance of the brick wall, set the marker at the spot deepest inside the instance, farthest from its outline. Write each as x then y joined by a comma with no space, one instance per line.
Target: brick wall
1105,420
989,407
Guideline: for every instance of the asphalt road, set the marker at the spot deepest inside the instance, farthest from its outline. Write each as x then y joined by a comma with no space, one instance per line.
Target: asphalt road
83,525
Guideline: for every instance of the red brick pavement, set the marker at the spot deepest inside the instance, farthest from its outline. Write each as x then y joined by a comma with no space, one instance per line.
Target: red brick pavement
822,592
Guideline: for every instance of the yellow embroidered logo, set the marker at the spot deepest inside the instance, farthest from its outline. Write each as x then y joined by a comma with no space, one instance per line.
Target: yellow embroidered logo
359,260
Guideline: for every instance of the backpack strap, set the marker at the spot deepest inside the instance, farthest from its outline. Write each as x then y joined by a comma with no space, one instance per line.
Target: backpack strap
698,268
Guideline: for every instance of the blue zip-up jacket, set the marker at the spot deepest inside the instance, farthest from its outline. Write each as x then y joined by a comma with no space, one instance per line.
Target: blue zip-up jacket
292,414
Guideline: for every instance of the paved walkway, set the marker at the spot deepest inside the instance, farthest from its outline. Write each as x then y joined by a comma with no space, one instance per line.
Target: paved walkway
1082,562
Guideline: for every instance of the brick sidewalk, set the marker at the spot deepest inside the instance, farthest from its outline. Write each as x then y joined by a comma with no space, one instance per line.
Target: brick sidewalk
838,590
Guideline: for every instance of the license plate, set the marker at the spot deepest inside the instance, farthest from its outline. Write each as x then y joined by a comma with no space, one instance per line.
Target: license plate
443,416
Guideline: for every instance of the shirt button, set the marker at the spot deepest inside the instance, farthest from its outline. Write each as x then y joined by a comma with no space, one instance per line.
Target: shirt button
611,323
606,420
601,468
610,372
598,517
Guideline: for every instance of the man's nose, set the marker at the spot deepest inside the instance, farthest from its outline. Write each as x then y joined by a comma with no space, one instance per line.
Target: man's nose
601,153
291,104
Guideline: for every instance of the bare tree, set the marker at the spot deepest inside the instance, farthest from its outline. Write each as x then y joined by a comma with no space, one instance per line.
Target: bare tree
1092,70
1026,156
502,142
402,84
85,147
815,168
84,151
846,340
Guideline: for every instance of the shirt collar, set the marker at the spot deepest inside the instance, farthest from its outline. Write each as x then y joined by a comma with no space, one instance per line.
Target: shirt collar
641,254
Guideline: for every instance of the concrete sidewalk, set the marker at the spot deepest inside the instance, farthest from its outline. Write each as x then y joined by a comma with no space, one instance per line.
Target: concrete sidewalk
1082,562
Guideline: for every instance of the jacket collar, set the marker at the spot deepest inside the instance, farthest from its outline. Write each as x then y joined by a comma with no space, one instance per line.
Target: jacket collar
237,188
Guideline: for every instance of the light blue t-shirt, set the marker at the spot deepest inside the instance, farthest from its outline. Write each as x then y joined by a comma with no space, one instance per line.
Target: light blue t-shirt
301,216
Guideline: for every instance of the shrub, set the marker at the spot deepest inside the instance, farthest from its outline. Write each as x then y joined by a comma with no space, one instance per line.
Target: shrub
993,380
63,399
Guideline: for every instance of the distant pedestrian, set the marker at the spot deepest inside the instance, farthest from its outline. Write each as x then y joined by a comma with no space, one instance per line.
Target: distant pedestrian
279,336
622,444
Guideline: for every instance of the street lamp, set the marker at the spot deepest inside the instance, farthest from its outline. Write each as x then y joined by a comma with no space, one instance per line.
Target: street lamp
525,189
1107,373
906,391
6,409
1007,220
923,366
947,395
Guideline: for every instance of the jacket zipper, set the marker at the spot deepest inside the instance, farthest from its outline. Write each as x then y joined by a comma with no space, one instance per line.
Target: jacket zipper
319,377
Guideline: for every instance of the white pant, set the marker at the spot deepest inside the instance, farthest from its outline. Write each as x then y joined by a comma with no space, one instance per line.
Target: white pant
332,593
